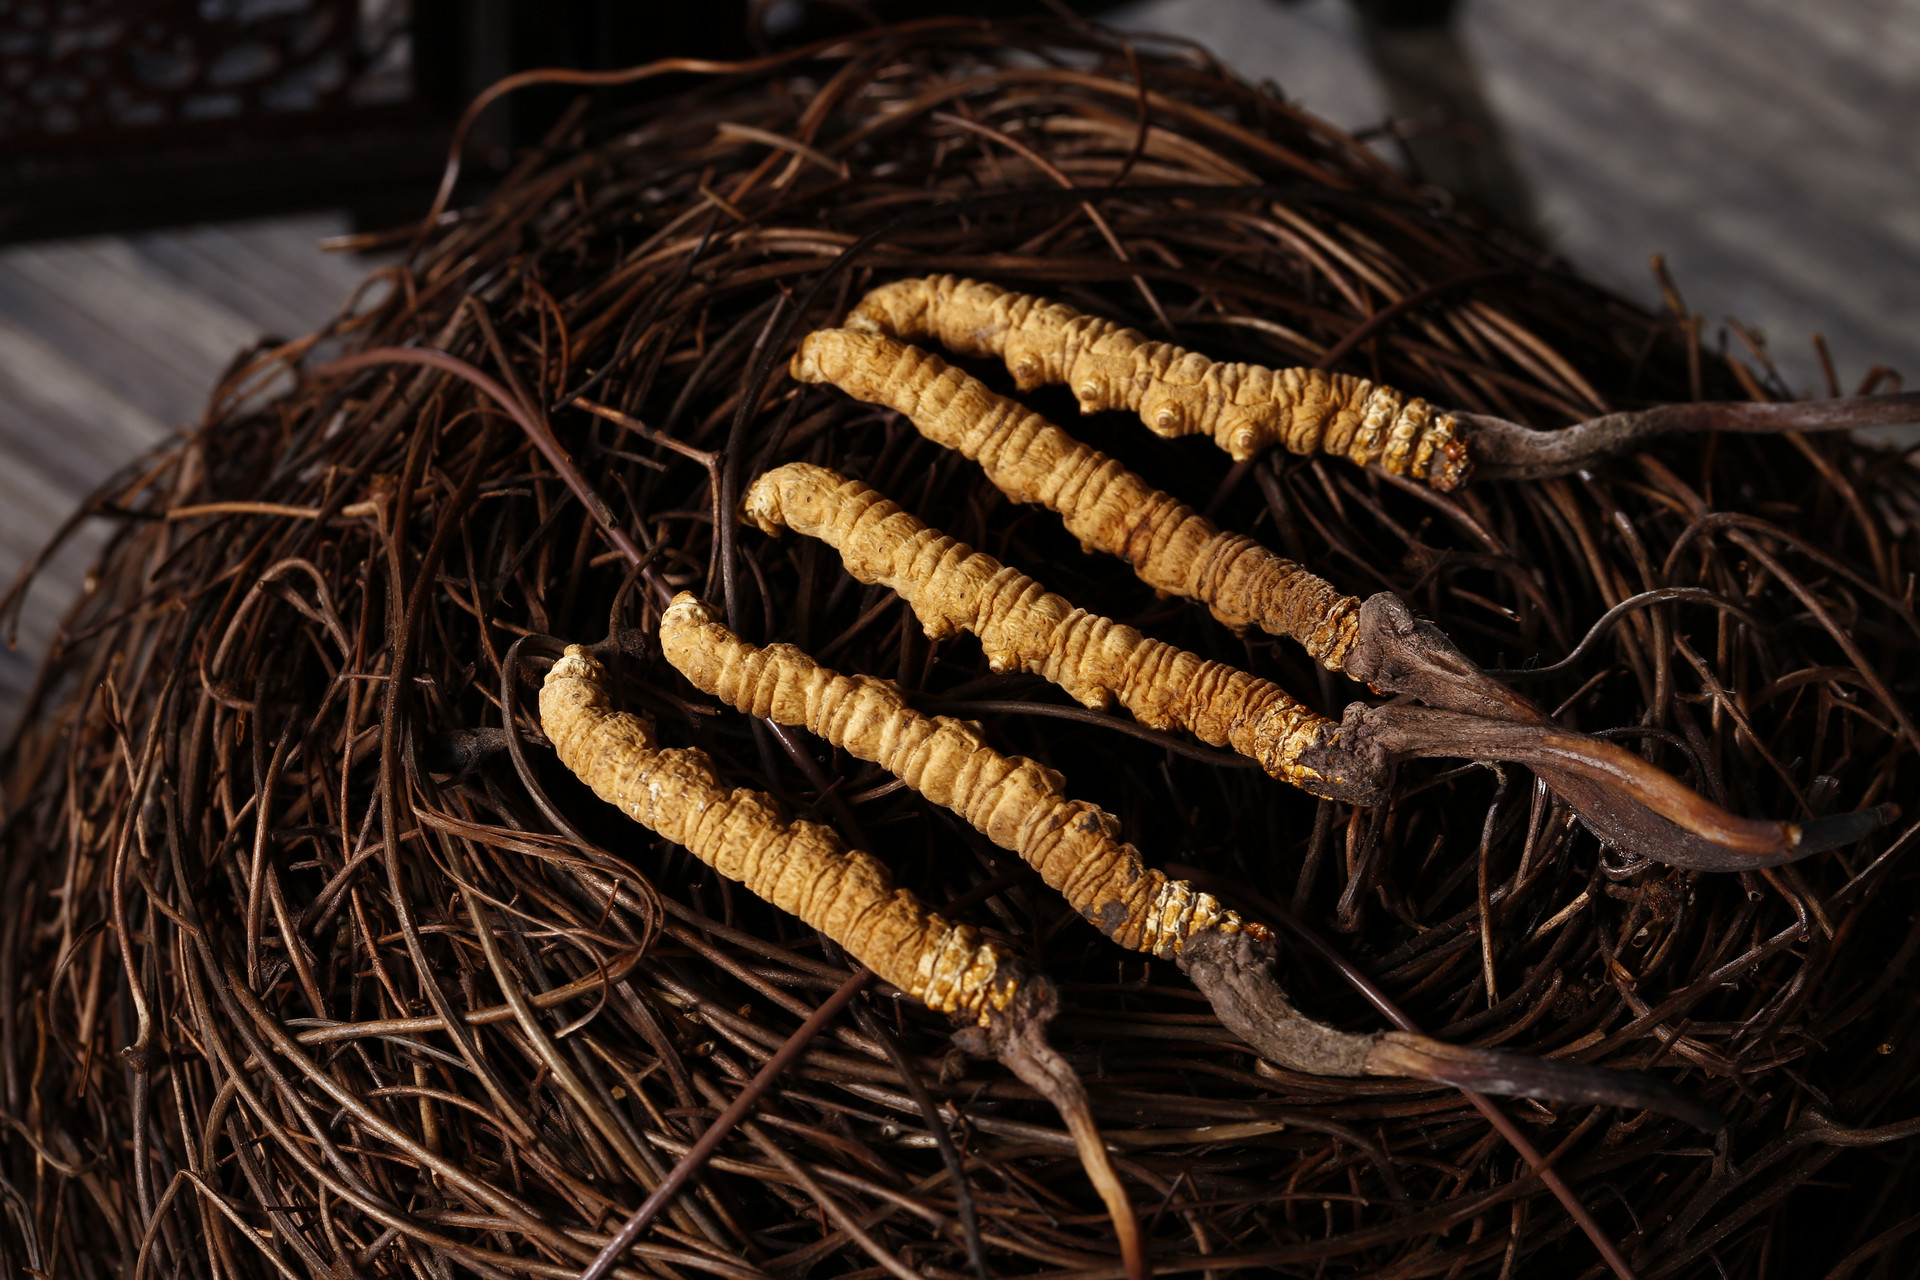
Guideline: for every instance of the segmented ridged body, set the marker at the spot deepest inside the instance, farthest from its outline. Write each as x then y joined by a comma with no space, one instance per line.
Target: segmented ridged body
1244,407
1017,803
1170,545
1024,627
800,867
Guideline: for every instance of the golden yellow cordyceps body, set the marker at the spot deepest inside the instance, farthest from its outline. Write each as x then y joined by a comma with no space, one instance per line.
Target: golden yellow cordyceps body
1017,803
1170,545
1245,408
800,867
1024,627
1021,805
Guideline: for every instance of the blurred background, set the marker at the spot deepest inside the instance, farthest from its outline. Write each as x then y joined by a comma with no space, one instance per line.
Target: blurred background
170,170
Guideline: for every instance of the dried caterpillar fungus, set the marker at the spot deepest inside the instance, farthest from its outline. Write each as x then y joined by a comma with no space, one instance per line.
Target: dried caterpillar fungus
1017,803
800,867
1245,408
1170,545
1022,626
803,868
1021,805
1174,549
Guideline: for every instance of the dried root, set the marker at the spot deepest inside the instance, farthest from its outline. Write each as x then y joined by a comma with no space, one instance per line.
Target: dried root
1170,545
1244,407
803,868
1022,806
1024,627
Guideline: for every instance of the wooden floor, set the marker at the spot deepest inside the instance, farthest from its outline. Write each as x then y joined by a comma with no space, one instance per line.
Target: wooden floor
1770,149
1766,147
107,347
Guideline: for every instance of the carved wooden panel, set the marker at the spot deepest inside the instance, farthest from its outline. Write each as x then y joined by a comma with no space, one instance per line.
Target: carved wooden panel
81,73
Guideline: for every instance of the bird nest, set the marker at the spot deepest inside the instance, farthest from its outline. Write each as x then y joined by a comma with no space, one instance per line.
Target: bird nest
316,961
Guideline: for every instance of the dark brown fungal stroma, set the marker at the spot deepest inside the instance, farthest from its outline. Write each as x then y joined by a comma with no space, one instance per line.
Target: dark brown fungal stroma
486,1041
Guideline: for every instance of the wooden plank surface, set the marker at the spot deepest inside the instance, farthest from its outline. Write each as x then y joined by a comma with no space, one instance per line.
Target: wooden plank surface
1767,148
110,344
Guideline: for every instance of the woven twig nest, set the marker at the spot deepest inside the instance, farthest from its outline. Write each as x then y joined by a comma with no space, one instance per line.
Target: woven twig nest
298,979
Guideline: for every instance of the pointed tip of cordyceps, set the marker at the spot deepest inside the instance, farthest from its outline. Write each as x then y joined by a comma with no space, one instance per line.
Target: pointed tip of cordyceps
1517,1075
1638,832
1627,802
1839,829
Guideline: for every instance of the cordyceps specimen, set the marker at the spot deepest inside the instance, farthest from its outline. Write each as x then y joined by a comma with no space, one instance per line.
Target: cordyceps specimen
1247,408
466,1037
1022,806
803,868
1024,627
1176,550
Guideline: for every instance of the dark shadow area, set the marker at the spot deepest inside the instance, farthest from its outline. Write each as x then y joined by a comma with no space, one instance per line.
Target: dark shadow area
127,116
1444,124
